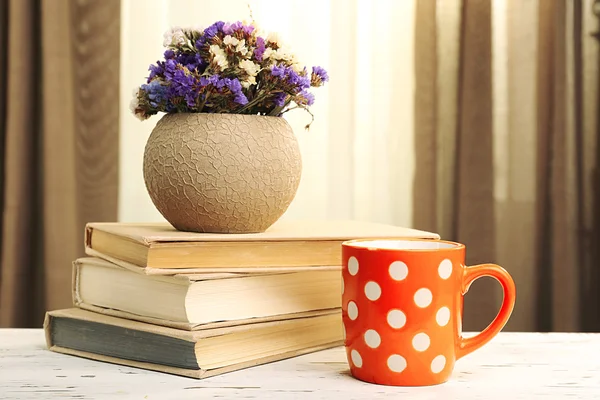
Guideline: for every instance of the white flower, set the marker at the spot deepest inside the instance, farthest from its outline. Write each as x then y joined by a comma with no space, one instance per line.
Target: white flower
174,37
193,29
221,61
250,67
268,53
216,50
219,56
250,81
296,64
297,67
241,47
274,38
134,104
283,53
230,40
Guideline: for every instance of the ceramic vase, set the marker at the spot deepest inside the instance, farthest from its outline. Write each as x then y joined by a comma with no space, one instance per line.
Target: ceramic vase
222,173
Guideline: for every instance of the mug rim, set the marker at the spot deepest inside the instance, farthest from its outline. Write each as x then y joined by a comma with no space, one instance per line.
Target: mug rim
352,244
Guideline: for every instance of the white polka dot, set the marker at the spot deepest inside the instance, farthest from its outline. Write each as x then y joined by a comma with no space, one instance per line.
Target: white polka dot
353,266
343,286
445,269
423,297
396,319
372,338
443,316
438,364
356,358
352,310
398,270
372,290
421,342
396,363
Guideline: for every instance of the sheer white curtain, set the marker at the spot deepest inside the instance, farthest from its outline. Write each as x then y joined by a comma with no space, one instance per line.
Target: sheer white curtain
358,157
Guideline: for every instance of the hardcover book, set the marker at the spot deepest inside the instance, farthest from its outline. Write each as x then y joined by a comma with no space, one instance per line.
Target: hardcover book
197,354
203,301
287,246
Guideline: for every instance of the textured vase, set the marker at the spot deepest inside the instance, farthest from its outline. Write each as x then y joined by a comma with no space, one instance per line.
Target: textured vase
225,173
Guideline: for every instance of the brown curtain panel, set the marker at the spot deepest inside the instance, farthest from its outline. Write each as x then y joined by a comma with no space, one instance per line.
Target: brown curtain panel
505,163
59,125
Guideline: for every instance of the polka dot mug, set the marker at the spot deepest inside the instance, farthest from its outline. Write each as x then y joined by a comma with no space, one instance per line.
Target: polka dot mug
402,303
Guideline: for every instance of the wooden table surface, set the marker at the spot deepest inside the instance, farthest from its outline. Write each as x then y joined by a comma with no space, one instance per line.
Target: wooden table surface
513,366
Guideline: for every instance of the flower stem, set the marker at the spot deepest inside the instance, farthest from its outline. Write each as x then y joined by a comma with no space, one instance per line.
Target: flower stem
289,109
307,127
204,102
255,101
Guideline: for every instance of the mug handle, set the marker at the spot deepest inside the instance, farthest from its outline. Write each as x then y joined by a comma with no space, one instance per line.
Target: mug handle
468,345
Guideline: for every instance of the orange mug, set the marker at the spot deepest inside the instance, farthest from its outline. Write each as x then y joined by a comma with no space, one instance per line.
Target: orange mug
402,303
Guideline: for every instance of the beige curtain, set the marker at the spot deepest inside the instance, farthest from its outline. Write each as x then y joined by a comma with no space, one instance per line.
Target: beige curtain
505,132
59,87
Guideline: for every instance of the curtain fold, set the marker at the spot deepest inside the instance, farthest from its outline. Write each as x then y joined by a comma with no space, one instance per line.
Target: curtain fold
456,164
515,133
425,185
515,173
591,128
558,265
474,220
61,146
17,302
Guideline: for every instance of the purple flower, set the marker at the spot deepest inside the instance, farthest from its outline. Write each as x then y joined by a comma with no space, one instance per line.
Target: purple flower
169,68
191,61
308,97
302,82
212,30
156,93
191,98
211,80
260,49
220,84
161,69
240,98
291,77
169,54
184,85
156,70
279,99
228,28
319,76
181,82
209,33
321,73
278,71
234,85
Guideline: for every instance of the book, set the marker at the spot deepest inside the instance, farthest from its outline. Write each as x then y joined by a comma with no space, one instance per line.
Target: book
287,245
202,301
196,354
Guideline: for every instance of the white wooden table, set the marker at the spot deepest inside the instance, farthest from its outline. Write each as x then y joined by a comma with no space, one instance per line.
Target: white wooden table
513,366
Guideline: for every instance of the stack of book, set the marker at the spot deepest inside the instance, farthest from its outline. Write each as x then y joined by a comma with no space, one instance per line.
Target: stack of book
200,305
